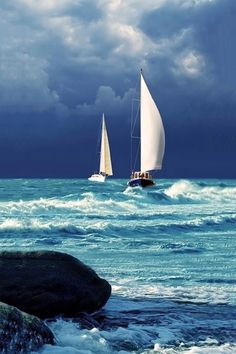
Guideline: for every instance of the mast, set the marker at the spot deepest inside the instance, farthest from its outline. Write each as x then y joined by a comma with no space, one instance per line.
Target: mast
152,144
105,156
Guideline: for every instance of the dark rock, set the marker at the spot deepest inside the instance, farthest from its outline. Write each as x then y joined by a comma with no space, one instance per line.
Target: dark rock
47,284
20,332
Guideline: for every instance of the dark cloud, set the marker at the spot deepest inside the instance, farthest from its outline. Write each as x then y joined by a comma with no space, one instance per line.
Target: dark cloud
64,63
201,111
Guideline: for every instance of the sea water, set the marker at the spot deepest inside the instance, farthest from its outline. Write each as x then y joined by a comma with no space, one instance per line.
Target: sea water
168,252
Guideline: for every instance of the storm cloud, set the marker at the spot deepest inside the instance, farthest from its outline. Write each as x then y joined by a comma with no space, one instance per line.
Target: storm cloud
65,62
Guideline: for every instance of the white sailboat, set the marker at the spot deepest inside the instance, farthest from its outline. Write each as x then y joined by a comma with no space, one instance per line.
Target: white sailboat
105,167
152,139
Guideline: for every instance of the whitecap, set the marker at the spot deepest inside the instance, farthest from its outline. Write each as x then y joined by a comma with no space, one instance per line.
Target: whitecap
193,191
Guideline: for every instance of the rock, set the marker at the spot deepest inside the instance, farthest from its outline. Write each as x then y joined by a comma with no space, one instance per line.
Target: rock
20,332
47,284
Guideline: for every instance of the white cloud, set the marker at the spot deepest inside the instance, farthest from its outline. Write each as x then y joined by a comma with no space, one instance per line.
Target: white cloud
54,39
131,41
189,63
116,31
106,98
130,11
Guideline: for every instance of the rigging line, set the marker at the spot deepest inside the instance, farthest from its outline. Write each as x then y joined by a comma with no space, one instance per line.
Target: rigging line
135,120
136,157
131,145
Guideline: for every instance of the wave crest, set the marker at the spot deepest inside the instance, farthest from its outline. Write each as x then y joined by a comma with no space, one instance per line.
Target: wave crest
193,191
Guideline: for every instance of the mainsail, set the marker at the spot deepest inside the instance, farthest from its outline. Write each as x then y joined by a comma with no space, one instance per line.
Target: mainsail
152,131
105,157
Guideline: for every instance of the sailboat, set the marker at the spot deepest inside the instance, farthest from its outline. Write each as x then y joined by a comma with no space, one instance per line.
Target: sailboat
105,167
152,139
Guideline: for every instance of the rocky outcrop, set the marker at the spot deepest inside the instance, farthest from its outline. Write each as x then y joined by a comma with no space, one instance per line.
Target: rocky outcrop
20,332
47,284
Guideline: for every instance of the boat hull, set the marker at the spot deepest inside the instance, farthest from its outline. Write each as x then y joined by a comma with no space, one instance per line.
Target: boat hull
141,182
97,178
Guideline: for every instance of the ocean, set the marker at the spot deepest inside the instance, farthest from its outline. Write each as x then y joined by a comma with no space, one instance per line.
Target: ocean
169,253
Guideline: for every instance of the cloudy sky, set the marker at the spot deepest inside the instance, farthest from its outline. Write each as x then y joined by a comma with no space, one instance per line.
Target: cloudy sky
65,62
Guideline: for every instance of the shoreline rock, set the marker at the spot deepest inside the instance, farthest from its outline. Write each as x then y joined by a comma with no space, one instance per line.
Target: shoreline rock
21,332
48,284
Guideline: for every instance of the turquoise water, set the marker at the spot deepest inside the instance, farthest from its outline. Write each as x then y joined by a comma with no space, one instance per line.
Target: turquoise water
168,252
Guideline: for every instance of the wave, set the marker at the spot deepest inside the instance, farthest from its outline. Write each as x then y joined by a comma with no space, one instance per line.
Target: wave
147,327
210,293
130,201
88,203
119,224
218,281
60,226
134,211
199,191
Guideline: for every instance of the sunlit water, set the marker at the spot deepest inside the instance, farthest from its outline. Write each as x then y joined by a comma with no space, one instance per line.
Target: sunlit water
168,252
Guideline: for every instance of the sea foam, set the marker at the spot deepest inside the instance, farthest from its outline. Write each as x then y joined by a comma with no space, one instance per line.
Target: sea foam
168,252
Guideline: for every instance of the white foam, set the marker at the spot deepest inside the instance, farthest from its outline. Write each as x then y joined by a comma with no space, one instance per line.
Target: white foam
72,339
221,349
87,204
137,192
190,190
8,224
92,225
213,294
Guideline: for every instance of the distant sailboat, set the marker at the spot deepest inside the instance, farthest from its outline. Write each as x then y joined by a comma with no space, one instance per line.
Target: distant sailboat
105,168
152,139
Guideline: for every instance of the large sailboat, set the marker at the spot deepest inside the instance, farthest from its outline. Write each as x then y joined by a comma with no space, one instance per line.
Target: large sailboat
105,167
152,139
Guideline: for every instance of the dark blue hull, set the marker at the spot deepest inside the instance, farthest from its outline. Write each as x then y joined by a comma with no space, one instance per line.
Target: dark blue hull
141,182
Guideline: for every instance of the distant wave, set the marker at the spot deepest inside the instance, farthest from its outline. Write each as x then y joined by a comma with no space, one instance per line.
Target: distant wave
218,281
131,200
188,190
88,203
180,206
61,226
71,225
182,248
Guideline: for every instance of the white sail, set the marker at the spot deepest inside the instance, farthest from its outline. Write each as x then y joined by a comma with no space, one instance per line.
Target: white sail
152,131
105,157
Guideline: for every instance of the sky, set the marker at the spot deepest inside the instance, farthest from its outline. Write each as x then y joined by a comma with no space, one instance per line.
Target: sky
65,62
